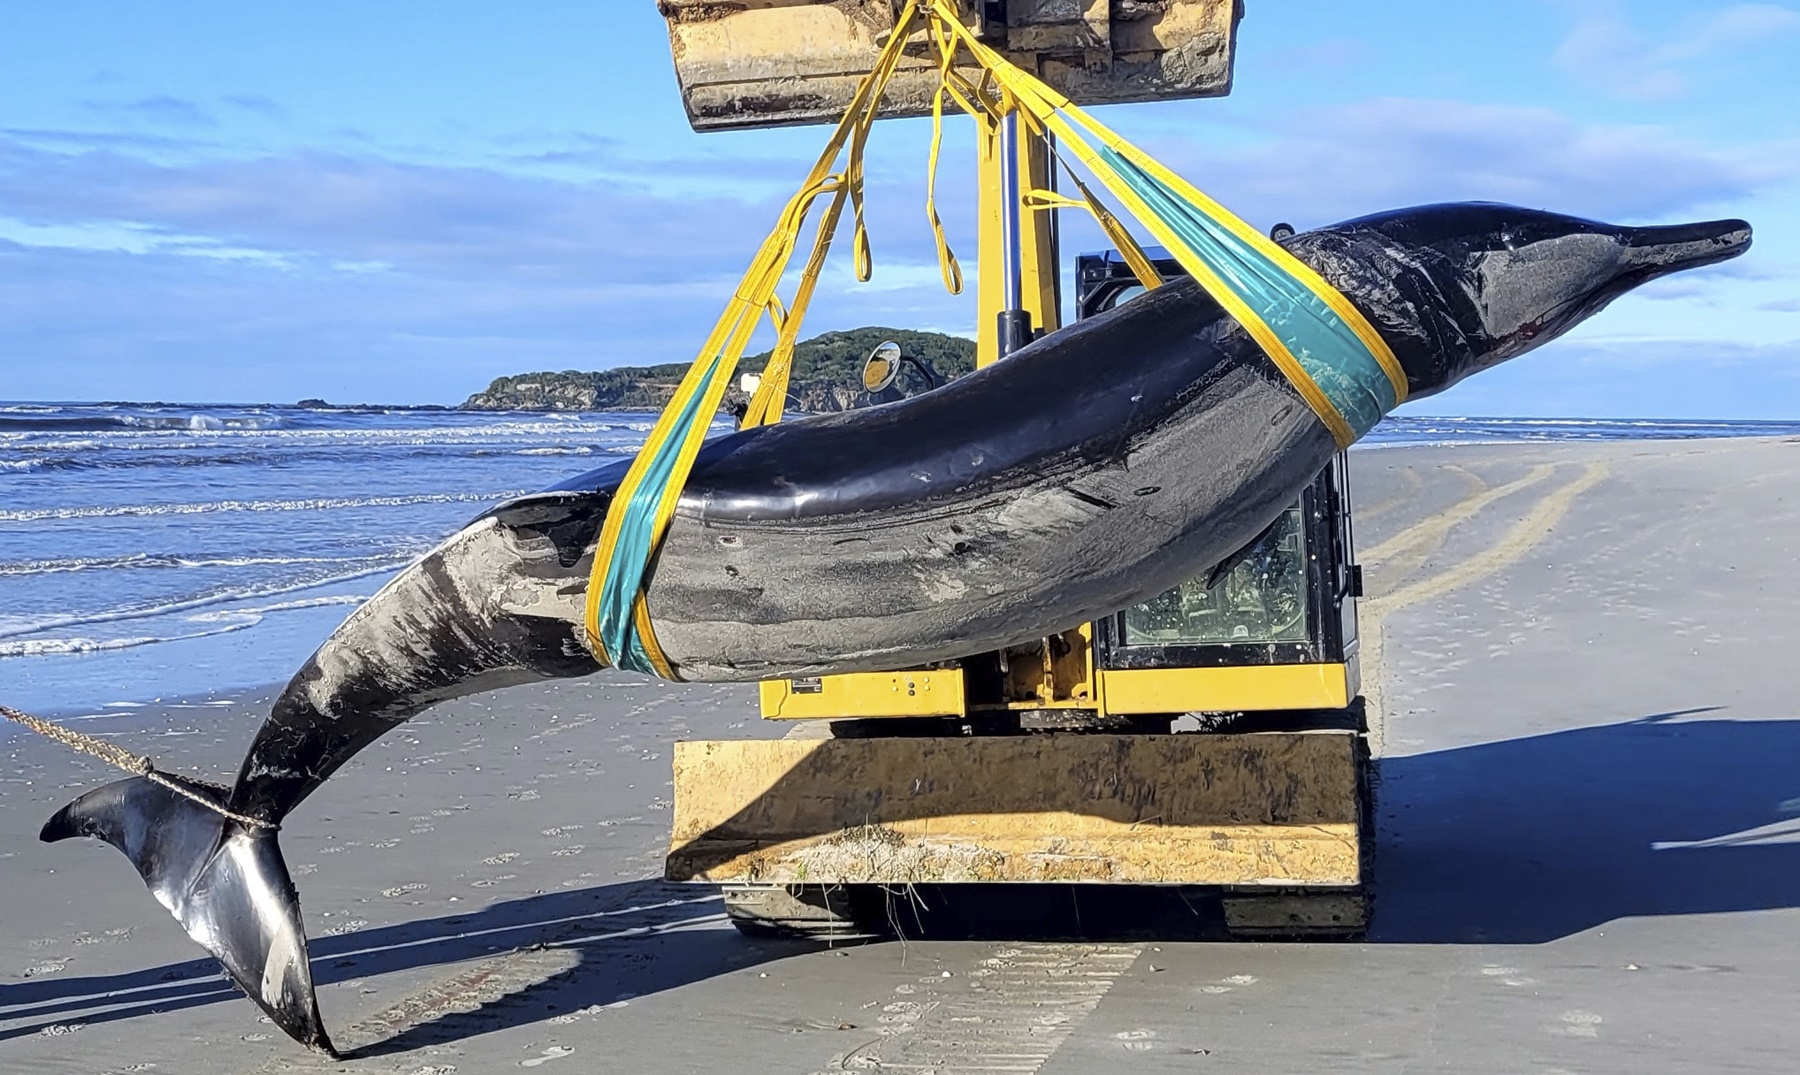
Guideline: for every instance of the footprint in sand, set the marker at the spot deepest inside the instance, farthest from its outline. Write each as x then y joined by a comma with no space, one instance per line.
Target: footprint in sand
54,966
501,859
401,890
1138,1041
1579,1024
1507,976
492,881
555,1052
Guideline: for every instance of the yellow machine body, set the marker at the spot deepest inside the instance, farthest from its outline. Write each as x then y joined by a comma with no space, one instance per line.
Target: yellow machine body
1272,810
1260,816
1120,692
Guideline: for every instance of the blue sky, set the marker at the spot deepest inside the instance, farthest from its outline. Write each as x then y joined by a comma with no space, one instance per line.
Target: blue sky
398,201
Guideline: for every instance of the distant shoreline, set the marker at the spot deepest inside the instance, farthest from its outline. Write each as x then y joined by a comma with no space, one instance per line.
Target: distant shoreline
15,406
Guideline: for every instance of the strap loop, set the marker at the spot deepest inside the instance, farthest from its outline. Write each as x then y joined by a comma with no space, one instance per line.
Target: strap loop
617,622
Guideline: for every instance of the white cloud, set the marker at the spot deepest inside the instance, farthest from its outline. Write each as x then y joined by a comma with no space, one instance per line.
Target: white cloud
1604,48
357,275
1699,378
435,218
1323,165
362,277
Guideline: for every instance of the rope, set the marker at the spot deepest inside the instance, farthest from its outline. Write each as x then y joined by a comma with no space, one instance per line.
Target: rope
131,763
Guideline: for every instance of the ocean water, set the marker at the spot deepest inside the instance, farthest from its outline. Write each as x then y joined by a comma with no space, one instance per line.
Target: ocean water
153,552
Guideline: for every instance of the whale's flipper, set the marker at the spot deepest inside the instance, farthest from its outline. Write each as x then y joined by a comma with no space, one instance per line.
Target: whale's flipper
223,881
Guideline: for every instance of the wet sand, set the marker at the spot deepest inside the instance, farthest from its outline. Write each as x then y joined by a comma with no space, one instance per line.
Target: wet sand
1589,854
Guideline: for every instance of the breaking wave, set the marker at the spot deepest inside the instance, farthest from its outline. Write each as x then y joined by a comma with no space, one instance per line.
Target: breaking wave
60,647
284,606
159,560
314,504
23,628
227,620
23,421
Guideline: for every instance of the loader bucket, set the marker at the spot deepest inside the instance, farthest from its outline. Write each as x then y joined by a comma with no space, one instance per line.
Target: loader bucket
765,63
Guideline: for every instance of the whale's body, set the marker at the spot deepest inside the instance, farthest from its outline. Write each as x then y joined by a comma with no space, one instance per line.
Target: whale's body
1094,469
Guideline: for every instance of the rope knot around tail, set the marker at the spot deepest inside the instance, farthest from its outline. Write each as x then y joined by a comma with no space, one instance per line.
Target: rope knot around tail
135,764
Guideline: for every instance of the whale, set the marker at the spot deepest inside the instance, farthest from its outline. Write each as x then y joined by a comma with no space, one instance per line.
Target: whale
1094,468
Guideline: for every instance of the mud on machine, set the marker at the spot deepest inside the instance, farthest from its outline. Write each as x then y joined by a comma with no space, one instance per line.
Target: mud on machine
1057,763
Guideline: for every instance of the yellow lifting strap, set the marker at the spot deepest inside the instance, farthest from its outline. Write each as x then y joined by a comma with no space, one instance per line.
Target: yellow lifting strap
1139,262
1323,345
618,624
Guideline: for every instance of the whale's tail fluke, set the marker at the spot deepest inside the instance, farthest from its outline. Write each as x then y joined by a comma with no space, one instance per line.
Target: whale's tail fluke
224,881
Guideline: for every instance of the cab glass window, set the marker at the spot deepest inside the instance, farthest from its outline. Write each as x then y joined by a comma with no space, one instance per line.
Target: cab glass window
1257,595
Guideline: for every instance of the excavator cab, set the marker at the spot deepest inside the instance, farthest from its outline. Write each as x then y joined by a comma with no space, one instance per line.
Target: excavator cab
1287,600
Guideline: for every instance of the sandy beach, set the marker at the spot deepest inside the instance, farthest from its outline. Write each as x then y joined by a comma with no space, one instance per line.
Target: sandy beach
1589,855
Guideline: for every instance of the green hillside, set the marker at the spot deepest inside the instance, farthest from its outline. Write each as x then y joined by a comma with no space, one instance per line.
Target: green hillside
827,375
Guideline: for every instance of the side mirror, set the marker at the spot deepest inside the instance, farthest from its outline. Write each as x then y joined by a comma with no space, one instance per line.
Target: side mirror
882,368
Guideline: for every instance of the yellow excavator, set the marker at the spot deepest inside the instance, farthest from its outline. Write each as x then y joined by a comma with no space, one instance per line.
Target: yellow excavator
1210,740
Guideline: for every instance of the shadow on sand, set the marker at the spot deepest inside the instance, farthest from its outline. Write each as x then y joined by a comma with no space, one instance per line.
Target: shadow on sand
1528,840
1516,842
620,941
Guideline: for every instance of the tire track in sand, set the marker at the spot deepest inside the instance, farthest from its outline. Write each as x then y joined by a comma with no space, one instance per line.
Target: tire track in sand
423,1032
1011,1012
1429,534
1407,551
1412,483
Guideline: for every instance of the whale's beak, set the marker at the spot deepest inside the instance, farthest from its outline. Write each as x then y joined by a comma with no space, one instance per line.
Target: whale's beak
1654,251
